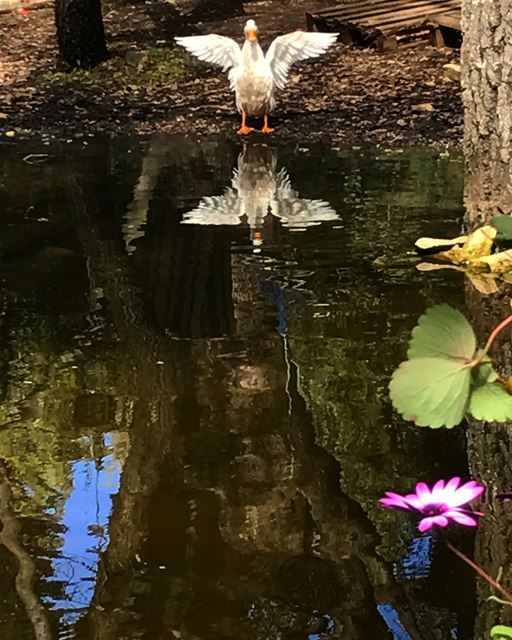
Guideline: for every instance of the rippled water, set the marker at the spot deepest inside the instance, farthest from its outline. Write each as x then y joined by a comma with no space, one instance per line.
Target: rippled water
194,425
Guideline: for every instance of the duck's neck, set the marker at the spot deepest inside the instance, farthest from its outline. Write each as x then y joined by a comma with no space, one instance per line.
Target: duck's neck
251,51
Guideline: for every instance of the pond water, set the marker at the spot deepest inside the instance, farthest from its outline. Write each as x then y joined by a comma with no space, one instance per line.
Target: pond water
197,339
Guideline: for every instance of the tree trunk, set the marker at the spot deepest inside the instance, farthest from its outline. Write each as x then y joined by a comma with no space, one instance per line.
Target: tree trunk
80,33
486,72
487,95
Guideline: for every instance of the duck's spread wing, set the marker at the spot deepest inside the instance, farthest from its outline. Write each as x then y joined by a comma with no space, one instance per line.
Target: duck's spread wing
295,212
299,213
213,48
293,47
216,210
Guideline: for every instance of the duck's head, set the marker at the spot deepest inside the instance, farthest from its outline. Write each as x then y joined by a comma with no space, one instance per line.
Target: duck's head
251,30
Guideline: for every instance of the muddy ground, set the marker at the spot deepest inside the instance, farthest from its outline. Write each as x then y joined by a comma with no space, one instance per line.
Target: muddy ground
348,96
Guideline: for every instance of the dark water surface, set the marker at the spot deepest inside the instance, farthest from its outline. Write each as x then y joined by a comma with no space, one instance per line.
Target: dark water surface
194,423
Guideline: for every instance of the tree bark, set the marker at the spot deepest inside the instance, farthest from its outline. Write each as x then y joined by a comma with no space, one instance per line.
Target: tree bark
487,95
80,33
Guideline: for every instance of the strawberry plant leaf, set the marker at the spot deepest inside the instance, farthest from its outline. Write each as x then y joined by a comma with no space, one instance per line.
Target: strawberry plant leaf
442,332
490,402
501,632
433,392
483,373
503,224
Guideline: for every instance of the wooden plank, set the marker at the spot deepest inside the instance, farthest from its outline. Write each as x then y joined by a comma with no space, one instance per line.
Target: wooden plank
448,20
370,9
387,23
408,14
373,8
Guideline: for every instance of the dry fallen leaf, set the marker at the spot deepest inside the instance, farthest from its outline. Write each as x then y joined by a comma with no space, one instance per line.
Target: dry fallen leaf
498,263
432,243
483,283
436,266
478,245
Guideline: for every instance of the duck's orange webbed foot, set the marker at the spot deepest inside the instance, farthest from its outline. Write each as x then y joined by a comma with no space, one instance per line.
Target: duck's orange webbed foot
244,129
266,128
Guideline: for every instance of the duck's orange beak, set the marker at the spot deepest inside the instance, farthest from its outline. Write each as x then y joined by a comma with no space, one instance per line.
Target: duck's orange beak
252,34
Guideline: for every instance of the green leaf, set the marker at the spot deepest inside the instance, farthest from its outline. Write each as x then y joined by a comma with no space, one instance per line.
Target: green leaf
490,402
433,392
483,373
504,226
501,632
442,332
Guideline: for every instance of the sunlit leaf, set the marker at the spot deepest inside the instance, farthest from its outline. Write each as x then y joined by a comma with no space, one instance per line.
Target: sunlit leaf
497,263
436,266
433,392
483,282
426,244
490,402
503,224
478,244
483,373
442,332
501,632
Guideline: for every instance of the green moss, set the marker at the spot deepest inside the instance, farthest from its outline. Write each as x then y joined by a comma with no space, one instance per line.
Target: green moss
163,65
152,67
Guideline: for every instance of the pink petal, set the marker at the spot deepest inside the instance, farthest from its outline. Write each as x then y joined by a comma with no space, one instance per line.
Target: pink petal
393,504
427,523
460,518
451,487
464,494
453,484
438,491
414,501
423,493
397,499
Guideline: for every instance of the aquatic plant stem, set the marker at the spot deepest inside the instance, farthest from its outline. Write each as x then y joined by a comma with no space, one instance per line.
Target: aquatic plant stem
496,585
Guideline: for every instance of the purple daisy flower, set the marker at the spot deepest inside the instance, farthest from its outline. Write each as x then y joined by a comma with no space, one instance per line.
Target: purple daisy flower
438,505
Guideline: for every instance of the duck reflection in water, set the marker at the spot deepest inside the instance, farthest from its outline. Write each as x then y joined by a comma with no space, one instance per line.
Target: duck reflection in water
258,192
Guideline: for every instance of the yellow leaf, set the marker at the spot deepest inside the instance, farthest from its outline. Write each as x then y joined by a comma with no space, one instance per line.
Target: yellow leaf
483,283
497,263
433,243
435,266
478,244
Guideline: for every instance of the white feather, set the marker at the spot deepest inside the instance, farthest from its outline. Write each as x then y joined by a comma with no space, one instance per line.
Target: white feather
293,47
213,48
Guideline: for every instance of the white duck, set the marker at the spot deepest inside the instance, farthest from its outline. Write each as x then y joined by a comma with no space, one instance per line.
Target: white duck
254,76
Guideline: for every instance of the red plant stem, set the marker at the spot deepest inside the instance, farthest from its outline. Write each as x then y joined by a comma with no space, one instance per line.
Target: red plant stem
496,585
495,332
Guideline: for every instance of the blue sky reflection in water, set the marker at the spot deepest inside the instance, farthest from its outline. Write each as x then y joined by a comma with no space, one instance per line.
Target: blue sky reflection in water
416,564
85,536
245,362
392,618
